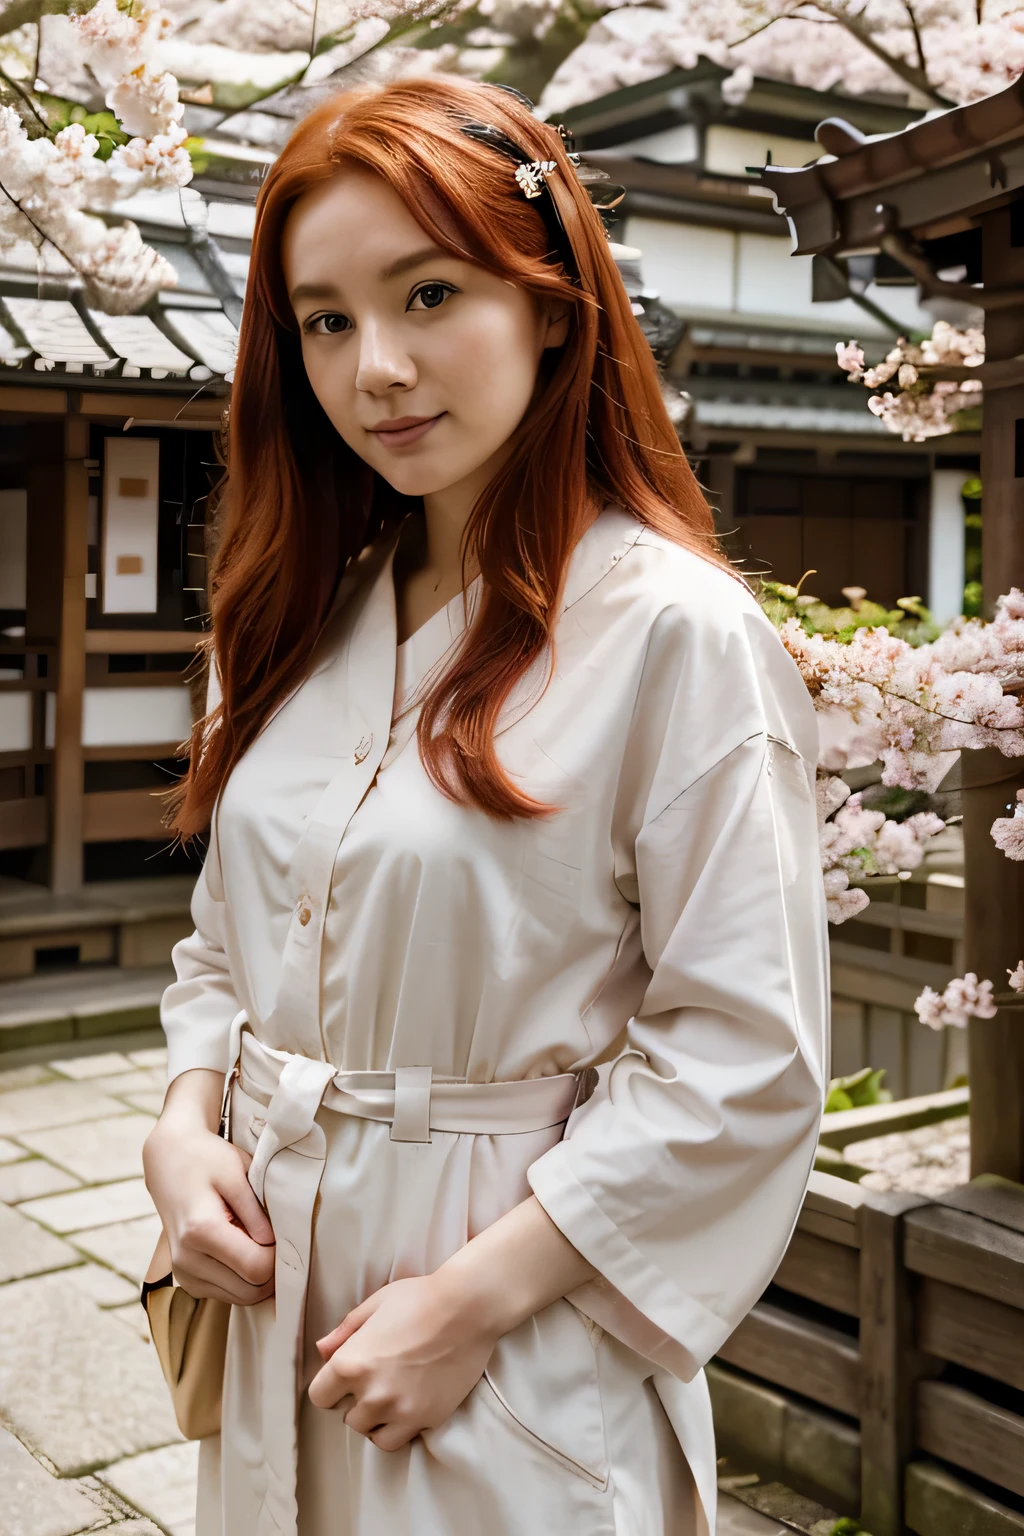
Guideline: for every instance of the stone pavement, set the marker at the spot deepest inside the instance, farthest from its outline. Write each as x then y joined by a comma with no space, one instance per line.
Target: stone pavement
87,1438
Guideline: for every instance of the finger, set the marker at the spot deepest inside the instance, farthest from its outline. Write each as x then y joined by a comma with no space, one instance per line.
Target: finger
349,1324
233,1248
392,1437
366,1416
330,1385
203,1290
233,1187
200,1274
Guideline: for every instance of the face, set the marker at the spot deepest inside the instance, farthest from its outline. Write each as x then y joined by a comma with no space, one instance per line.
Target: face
424,364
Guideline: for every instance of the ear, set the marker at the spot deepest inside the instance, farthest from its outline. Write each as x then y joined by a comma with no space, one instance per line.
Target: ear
556,331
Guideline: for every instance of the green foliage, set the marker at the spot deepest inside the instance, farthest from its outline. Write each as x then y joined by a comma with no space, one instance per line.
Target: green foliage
910,619
858,1091
972,600
61,113
847,1526
194,149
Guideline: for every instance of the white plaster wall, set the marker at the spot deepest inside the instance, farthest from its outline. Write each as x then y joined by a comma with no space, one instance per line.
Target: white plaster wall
15,722
129,717
946,545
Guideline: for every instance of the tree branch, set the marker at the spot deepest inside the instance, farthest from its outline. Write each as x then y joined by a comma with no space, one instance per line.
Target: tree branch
922,65
911,76
20,13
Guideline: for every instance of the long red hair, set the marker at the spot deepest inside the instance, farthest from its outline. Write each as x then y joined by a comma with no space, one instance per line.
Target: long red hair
297,504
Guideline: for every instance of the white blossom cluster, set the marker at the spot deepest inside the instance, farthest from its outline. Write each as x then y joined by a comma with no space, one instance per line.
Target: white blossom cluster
964,998
927,403
47,184
856,841
916,707
1008,831
937,50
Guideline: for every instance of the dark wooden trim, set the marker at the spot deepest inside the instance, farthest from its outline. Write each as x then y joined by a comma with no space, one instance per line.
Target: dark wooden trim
890,1364
971,1330
823,1271
66,808
968,1252
806,1357
962,1428
143,642
26,398
170,408
150,752
23,823
116,814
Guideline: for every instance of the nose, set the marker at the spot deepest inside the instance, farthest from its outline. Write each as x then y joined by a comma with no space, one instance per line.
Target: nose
384,364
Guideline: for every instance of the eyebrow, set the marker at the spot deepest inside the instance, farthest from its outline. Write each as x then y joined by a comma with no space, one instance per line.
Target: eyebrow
396,269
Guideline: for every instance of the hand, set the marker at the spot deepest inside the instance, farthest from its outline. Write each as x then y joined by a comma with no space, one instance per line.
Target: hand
222,1244
409,1355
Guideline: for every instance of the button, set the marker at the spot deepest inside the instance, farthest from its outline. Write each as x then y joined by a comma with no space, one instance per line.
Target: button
304,915
362,751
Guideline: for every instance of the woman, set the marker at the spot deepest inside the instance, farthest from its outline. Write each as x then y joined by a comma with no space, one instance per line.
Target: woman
512,780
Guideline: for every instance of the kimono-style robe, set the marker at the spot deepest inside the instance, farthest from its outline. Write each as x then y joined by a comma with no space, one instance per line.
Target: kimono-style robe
666,924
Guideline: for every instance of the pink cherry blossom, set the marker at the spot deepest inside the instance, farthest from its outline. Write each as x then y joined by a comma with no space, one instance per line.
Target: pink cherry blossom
964,998
1008,831
1017,977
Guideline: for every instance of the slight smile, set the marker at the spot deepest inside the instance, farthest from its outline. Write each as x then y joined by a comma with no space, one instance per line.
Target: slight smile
405,429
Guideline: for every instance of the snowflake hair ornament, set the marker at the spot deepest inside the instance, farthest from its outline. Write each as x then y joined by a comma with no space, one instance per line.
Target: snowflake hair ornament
532,176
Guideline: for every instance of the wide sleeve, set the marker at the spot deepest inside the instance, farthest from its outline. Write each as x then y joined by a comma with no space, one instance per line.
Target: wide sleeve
197,1008
680,1180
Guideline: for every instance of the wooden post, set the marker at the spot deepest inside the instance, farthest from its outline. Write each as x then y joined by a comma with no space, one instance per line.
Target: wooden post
994,884
890,1363
68,780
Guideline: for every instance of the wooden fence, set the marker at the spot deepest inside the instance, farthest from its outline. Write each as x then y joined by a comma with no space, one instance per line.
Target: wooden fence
883,1370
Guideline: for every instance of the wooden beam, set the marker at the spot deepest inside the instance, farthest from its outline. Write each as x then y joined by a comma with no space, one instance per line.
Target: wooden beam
890,1363
66,802
844,1126
201,412
825,1272
962,1428
119,814
971,1330
141,642
993,944
967,1252
804,1356
29,401
23,823
993,884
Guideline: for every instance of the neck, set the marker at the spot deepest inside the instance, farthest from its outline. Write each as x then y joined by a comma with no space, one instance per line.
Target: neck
446,515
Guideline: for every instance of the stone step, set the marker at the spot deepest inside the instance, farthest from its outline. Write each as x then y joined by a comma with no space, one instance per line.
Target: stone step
83,1004
130,923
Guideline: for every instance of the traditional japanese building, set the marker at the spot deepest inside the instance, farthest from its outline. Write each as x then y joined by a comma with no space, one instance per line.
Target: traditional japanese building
803,476
108,451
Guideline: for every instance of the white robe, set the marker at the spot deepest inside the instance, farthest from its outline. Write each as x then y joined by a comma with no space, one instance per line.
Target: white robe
667,923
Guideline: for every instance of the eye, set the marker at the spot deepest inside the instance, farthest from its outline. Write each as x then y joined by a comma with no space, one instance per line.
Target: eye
333,325
431,295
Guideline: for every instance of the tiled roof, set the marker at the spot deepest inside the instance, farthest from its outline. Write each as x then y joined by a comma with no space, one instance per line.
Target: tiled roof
184,335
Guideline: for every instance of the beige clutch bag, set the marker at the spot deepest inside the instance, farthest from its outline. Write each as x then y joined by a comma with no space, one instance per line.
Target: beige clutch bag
190,1335
191,1342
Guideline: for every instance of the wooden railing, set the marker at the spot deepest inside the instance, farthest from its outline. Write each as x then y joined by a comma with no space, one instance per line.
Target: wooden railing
884,1368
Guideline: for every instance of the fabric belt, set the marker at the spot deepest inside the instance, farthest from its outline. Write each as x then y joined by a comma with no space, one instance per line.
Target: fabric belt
285,1174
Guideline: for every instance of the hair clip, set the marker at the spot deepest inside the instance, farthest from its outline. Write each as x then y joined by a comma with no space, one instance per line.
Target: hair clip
532,176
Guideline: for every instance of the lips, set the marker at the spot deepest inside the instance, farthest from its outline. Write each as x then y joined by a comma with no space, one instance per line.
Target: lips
404,430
